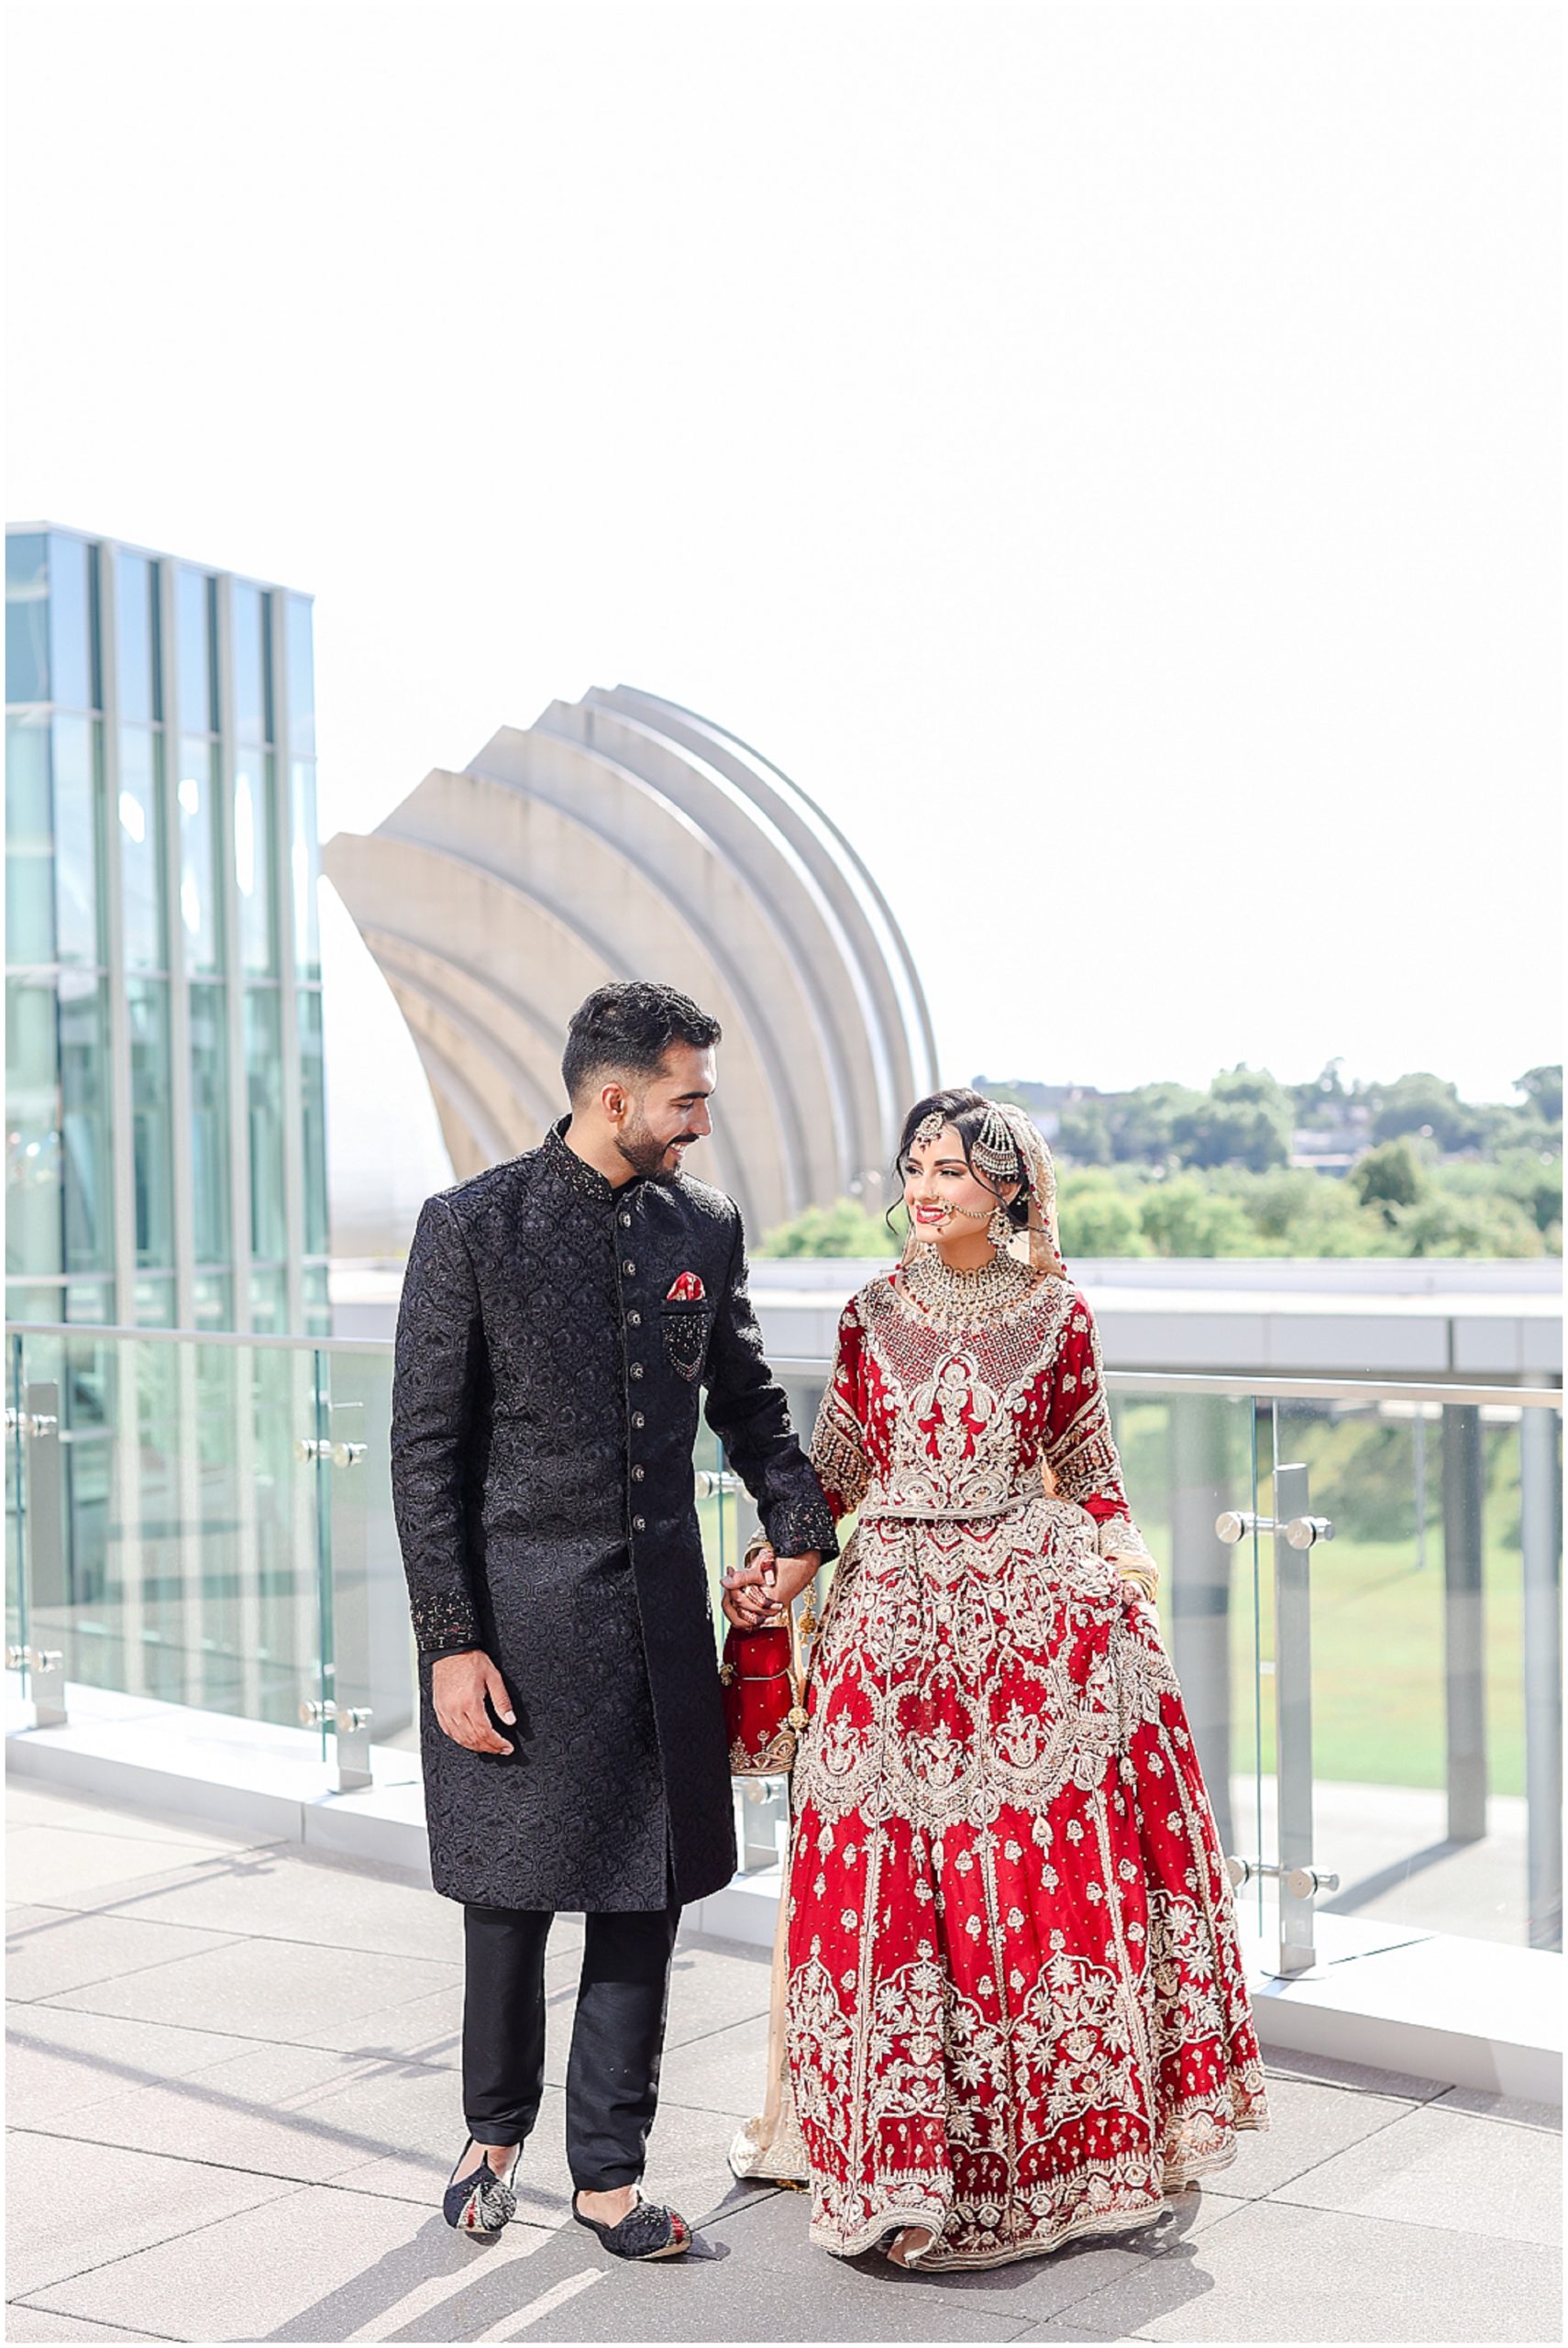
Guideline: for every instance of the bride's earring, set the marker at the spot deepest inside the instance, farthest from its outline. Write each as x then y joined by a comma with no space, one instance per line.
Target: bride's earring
999,1231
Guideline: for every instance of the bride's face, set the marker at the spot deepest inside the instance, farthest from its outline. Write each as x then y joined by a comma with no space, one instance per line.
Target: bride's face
943,1199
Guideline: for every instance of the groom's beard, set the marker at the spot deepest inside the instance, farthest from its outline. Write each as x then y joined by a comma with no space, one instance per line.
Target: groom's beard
644,1154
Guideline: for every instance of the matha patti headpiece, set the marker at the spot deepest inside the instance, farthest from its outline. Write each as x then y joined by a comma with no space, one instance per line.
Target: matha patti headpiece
929,1127
994,1152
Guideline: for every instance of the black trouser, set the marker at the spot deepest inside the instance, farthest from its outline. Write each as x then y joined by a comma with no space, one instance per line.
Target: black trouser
616,2041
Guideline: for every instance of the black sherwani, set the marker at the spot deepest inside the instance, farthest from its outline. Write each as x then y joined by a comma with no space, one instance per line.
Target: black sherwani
544,1409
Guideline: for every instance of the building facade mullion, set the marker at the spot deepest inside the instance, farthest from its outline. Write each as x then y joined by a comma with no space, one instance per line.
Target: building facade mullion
180,1104
122,1149
232,962
281,857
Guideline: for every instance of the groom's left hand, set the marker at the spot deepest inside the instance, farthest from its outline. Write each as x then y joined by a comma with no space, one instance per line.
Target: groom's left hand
755,1593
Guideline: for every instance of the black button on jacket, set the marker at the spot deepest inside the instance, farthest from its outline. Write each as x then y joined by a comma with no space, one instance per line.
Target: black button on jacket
538,1306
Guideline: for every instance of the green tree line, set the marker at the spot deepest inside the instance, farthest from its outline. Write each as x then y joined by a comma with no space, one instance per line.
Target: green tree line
1411,1169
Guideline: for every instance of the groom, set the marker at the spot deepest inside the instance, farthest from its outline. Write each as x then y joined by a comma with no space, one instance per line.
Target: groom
559,1315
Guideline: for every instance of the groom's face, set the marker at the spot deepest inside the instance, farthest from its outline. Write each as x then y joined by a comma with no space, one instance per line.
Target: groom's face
669,1114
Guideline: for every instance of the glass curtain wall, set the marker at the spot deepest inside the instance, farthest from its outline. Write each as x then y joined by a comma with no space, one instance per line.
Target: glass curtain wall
166,1150
59,1227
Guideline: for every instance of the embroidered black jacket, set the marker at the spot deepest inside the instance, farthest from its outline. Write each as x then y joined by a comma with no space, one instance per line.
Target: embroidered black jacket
545,1411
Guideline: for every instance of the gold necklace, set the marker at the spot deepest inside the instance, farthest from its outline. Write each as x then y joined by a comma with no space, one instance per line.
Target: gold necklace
965,1297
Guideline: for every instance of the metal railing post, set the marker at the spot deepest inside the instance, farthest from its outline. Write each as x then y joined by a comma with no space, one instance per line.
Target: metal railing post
339,1458
1200,1589
1465,1625
1300,1879
1293,1719
43,1551
1540,1543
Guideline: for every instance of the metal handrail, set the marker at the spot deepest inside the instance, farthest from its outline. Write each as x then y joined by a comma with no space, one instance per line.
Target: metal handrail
1128,1381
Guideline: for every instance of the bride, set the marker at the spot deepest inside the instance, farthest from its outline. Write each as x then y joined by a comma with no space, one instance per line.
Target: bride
1013,2010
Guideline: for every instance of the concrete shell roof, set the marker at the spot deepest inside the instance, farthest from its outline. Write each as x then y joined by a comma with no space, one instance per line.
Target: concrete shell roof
624,837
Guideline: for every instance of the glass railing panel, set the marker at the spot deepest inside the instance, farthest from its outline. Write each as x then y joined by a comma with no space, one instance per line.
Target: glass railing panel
188,1571
1188,1459
1427,1715
374,1673
16,1594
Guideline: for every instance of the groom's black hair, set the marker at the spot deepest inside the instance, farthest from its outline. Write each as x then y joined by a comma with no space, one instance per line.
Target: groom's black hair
625,1030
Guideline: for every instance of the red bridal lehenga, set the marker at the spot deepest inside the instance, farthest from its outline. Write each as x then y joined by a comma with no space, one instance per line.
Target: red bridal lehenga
1015,2004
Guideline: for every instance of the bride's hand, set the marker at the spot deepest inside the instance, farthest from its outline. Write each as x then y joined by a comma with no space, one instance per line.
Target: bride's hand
756,1592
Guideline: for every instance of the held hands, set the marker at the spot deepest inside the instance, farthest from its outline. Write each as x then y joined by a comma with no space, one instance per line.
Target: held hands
459,1686
755,1592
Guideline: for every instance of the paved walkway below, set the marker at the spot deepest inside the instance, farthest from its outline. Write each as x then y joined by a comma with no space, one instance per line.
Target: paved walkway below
233,2102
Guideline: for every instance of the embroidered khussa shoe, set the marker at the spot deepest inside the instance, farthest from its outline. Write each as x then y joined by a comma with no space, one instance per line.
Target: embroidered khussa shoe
647,2230
482,2204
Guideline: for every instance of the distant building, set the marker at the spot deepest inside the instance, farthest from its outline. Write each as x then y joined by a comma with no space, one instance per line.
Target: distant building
166,1160
622,836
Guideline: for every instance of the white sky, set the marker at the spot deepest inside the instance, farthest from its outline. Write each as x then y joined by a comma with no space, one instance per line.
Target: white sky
1108,455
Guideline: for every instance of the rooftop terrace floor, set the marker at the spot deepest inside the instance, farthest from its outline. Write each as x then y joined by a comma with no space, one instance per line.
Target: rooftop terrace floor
233,2102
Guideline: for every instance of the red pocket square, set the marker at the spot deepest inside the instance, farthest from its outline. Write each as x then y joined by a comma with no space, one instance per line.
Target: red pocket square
686,1290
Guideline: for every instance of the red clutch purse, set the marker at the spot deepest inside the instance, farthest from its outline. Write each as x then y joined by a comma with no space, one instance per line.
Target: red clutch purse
764,1693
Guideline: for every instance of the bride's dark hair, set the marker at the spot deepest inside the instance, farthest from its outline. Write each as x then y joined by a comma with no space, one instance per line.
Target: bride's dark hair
964,1110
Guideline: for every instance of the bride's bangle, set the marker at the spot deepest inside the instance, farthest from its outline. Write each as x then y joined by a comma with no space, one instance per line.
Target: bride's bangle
1145,1572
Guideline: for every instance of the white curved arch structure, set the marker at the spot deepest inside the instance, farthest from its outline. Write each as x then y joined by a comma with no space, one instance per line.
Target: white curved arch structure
622,836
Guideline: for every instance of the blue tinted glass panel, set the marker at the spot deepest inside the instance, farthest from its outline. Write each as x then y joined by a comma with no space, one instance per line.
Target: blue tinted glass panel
302,678
136,631
73,652
195,793
193,651
313,1094
85,1122
77,757
151,1145
27,617
155,1302
269,1303
317,1300
89,1304
264,1093
29,841
35,1238
209,1124
304,856
141,815
211,1301
247,606
253,864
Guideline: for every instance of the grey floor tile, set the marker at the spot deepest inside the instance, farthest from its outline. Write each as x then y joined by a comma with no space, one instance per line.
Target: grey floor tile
279,1892
58,2061
33,1804
299,2112
725,2072
255,1987
1275,2271
726,2300
709,1992
1449,2170
426,2029
313,2265
1515,2111
1309,2124
137,2200
38,2323
94,1870
1366,2078
52,1952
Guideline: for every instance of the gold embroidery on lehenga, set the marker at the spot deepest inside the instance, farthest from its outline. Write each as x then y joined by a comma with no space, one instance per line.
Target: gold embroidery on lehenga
985,1709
